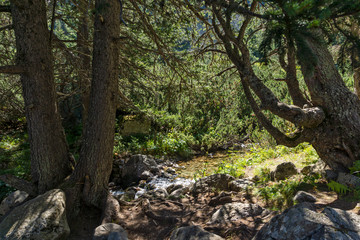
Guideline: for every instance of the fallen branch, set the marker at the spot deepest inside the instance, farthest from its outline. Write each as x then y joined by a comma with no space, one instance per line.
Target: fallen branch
19,184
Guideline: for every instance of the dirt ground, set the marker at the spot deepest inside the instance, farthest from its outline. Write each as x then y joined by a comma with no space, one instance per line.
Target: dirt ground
145,219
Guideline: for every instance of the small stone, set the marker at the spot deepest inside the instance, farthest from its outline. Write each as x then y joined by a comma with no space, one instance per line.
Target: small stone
193,233
284,170
110,231
302,196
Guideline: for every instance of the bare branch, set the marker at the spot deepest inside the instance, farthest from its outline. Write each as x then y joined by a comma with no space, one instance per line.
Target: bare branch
12,69
19,184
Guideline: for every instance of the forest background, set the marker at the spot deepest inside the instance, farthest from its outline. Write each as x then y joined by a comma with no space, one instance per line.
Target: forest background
174,70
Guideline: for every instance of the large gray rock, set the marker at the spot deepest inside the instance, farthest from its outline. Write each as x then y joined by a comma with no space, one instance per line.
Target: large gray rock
232,212
348,180
303,222
193,233
135,167
284,170
42,218
110,231
11,201
218,182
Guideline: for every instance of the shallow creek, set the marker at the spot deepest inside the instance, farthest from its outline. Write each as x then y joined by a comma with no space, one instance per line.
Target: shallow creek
184,172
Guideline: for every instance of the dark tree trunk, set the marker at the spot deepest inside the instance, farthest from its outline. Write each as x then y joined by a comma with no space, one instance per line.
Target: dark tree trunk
96,154
49,152
85,59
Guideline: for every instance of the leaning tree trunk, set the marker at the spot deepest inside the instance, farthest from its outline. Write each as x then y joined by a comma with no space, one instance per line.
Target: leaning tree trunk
49,152
330,121
337,138
96,155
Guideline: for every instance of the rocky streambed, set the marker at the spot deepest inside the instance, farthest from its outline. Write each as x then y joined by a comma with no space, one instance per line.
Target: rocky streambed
157,203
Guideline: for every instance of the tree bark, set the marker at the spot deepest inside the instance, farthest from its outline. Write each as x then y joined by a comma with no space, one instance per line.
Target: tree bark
49,152
84,56
96,155
337,137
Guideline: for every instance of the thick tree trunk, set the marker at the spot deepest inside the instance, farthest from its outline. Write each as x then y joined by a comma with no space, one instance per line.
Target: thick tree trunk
337,138
49,152
96,154
85,59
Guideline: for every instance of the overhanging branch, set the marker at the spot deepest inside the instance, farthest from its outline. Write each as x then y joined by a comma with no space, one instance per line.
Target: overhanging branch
12,69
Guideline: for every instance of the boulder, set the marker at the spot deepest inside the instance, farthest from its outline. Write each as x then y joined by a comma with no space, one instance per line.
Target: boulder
284,170
240,184
303,222
135,166
316,168
232,212
42,218
214,182
348,180
11,201
193,233
302,196
110,231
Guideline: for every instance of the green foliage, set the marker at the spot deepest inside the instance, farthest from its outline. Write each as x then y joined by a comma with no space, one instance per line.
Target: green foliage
355,169
14,158
279,195
338,187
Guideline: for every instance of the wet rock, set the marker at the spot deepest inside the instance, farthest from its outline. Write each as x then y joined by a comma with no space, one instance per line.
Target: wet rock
193,233
178,193
302,196
11,201
129,195
110,231
240,184
135,166
42,218
303,222
214,182
145,175
284,170
173,187
232,212
348,180
170,170
159,193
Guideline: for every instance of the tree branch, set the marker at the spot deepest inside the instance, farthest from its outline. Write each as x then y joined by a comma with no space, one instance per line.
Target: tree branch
19,184
12,69
5,8
305,136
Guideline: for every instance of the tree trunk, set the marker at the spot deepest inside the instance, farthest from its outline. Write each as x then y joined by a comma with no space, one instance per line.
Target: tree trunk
49,152
337,138
85,59
96,155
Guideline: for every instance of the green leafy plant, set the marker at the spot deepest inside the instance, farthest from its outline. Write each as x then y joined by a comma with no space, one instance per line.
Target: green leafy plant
338,187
